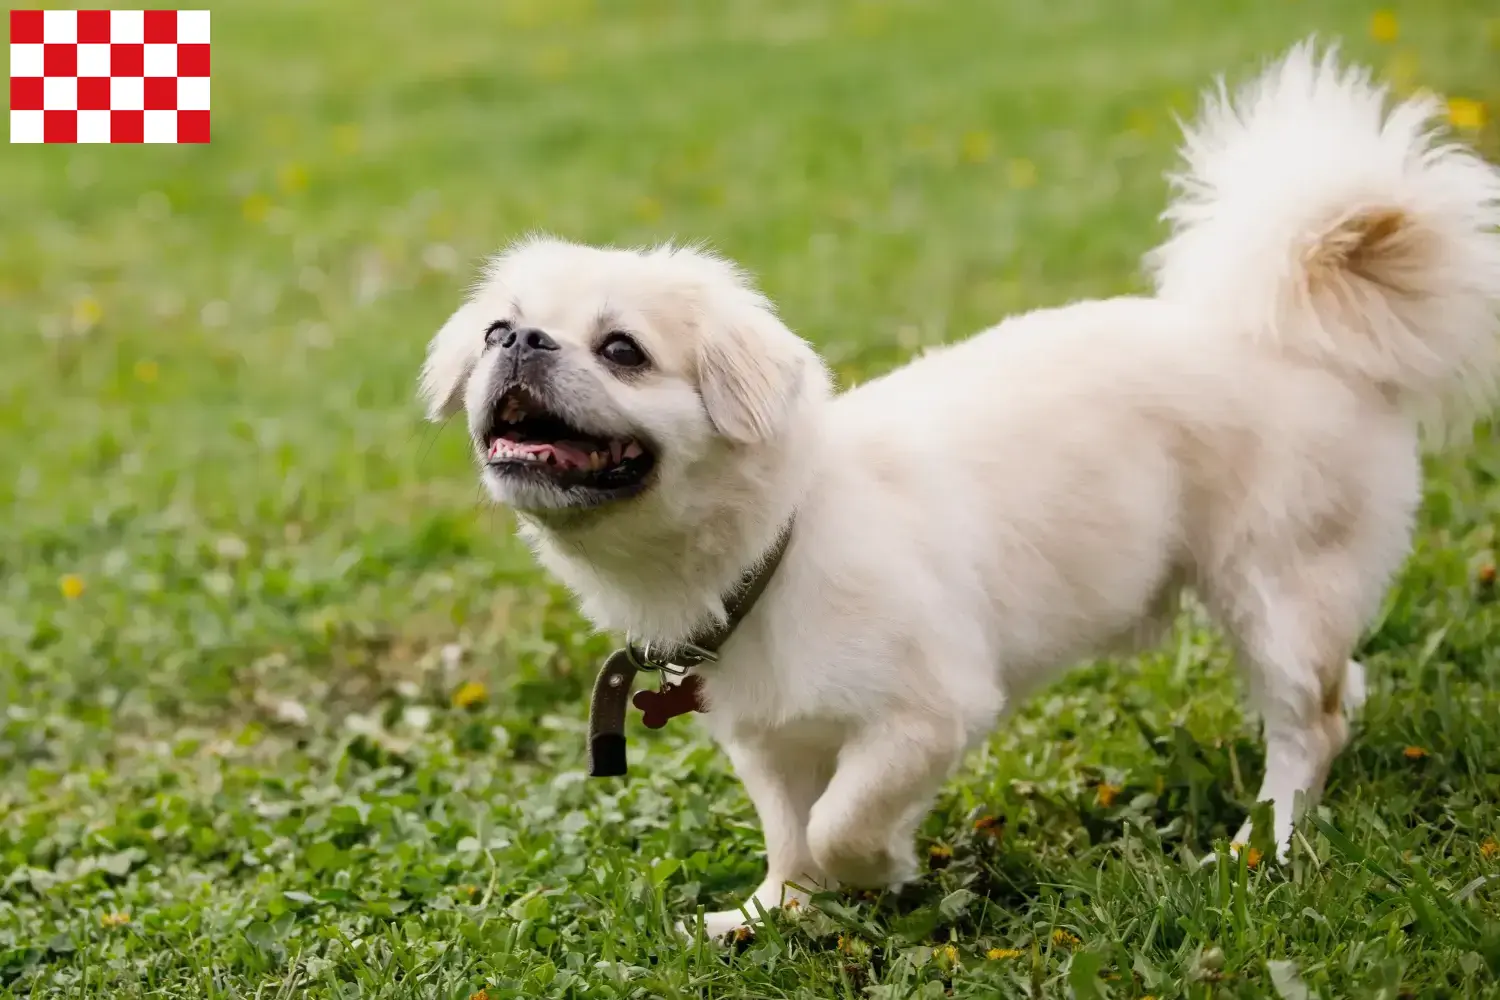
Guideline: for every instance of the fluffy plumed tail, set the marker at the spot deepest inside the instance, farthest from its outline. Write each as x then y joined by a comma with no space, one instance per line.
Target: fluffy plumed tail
1309,213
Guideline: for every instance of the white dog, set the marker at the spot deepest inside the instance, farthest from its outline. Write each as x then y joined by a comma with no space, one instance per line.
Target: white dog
971,524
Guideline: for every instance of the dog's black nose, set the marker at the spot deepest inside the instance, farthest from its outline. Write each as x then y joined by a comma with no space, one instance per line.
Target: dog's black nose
528,341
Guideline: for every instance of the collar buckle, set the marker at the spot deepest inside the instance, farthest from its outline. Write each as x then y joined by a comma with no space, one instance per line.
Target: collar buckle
676,660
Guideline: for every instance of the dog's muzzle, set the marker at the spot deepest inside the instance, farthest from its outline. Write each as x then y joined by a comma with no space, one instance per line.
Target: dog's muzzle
526,356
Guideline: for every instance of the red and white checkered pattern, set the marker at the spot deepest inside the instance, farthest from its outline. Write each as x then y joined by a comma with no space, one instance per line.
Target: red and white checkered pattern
109,76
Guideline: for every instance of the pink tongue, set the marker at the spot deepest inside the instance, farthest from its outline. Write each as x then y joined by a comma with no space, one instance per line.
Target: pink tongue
564,454
568,455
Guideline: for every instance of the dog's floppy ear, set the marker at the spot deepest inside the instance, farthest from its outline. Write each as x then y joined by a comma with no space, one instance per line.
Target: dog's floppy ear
450,359
751,369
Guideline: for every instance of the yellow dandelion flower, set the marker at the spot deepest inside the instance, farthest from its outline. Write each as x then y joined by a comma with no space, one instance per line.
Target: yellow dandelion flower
987,825
869,20
1106,794
1466,113
346,139
87,312
1384,27
481,994
114,920
470,694
71,586
792,904
1489,849
977,147
940,851
1252,854
1001,954
552,62
947,953
292,178
1414,753
1064,939
1487,574
647,208
743,933
146,371
255,207
1140,122
1022,174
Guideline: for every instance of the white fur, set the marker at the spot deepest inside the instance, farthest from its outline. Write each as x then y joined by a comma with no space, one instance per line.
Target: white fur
973,523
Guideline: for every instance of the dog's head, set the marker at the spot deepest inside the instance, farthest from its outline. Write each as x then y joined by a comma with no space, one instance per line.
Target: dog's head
592,377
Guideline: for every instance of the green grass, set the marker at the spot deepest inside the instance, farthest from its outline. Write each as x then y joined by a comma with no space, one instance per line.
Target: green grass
232,765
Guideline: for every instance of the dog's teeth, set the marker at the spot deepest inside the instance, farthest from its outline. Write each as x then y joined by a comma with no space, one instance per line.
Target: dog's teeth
596,461
632,450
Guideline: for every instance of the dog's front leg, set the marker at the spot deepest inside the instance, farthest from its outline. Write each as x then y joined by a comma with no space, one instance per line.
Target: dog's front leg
862,829
783,782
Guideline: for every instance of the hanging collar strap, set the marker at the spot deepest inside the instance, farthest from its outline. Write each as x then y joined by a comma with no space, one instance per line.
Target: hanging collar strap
612,688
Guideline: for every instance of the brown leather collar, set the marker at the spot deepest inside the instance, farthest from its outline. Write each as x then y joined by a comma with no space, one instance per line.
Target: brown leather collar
612,688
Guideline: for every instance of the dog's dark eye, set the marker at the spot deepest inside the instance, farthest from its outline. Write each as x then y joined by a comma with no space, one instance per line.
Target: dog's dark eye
618,349
497,329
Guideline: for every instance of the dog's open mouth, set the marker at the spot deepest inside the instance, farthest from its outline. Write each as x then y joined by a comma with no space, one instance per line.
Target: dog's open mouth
525,439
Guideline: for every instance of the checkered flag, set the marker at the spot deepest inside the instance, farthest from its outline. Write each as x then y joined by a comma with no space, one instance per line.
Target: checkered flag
109,76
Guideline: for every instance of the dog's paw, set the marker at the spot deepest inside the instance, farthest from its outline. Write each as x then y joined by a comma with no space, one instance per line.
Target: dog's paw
880,869
906,880
1241,842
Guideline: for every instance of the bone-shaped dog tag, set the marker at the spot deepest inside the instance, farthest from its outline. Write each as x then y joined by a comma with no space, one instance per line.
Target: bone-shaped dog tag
658,707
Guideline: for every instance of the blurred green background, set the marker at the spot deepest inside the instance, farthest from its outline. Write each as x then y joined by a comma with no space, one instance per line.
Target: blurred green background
284,710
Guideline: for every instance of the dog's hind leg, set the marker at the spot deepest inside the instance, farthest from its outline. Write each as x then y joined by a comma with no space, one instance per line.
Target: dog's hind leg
1303,735
1294,632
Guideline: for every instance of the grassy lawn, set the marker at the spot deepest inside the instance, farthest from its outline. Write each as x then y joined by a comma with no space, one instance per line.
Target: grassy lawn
286,712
